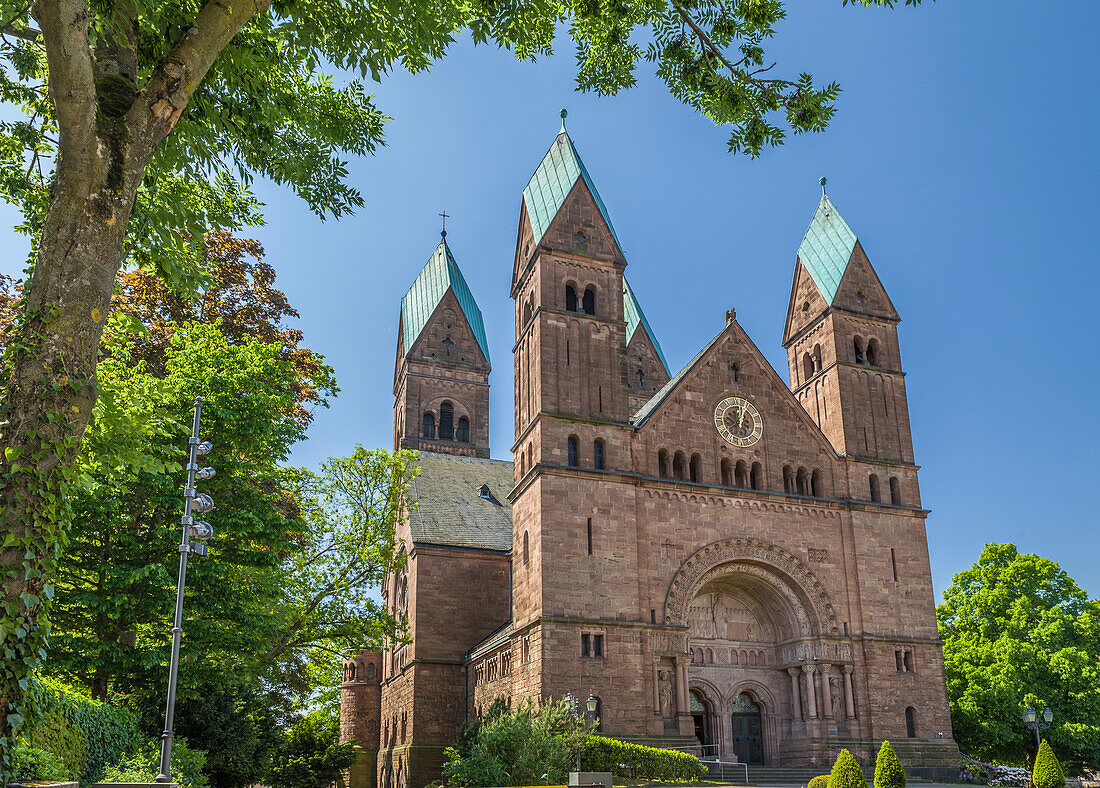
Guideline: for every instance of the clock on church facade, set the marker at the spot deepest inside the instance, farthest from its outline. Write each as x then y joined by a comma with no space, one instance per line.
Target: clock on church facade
725,561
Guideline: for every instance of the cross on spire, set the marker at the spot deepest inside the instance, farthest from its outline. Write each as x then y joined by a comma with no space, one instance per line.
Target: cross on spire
443,233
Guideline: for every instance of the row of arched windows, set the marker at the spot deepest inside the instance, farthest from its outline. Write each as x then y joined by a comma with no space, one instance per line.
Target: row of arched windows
876,489
802,481
599,453
868,355
446,429
745,657
587,303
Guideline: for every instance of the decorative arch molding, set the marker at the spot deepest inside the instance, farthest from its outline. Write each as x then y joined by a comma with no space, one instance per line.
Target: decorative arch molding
782,570
710,693
760,694
750,504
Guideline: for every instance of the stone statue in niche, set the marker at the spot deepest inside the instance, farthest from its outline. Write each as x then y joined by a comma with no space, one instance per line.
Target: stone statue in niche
837,697
665,692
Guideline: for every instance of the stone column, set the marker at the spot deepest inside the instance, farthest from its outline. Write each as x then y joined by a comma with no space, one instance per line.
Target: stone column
796,701
682,706
849,700
811,691
657,686
826,692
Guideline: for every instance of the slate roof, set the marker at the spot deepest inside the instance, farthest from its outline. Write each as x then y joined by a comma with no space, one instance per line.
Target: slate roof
647,410
549,186
449,508
439,274
827,247
632,312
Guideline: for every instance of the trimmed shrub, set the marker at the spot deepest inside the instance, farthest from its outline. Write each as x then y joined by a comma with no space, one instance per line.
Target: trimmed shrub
888,771
821,781
635,761
846,772
57,736
34,763
1048,771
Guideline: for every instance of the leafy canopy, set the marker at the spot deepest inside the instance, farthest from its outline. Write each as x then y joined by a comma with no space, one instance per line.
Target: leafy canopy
1018,632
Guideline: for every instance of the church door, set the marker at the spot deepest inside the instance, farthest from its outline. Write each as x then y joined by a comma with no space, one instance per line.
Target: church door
746,728
699,713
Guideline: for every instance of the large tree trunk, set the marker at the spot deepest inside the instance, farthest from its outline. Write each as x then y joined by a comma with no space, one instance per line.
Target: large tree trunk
109,128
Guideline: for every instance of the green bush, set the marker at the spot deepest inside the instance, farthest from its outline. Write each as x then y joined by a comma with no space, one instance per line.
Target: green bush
310,754
888,770
1048,771
35,763
821,781
85,735
846,772
525,746
624,759
144,764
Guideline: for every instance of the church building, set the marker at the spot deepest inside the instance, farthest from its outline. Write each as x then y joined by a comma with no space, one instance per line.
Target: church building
719,558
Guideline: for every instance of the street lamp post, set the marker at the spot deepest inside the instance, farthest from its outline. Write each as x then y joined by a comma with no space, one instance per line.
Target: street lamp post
1031,720
193,502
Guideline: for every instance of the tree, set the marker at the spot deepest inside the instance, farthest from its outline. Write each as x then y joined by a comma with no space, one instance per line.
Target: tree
145,123
888,770
846,772
1019,632
350,511
310,754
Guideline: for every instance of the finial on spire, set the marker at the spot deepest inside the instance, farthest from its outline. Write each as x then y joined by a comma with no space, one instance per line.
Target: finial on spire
443,233
822,182
563,114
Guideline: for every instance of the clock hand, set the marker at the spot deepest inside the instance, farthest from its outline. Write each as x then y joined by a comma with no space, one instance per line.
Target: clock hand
741,417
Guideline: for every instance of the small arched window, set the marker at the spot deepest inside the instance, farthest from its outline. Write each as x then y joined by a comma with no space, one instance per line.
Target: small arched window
857,347
741,474
876,493
446,422
788,479
598,454
727,473
527,313
678,463
662,463
910,722
574,452
428,426
372,671
756,476
802,482
872,352
895,490
589,302
526,549
817,358
570,298
815,483
696,468
462,434
807,366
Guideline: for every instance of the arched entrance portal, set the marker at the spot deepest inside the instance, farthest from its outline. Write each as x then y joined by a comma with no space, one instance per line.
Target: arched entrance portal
747,730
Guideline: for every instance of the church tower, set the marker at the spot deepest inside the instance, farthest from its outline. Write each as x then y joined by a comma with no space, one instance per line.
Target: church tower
441,379
844,358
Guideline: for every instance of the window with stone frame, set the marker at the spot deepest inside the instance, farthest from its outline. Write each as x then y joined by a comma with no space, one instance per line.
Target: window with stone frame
592,646
428,426
462,433
598,449
446,422
573,452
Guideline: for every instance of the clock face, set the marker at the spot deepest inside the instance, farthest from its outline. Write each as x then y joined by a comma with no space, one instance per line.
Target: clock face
738,421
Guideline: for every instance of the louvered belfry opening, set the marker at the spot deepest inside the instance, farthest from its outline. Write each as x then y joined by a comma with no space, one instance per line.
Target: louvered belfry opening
446,422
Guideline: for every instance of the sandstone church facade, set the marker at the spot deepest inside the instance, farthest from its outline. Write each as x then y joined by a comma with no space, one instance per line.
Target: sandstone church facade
718,557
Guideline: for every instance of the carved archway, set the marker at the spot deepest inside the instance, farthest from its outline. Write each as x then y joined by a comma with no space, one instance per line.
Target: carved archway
781,570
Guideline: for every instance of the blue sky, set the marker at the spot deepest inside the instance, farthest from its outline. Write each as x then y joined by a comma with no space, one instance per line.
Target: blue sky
963,155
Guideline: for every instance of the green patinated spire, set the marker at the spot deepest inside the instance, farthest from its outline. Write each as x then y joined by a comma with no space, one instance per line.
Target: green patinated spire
827,247
549,186
440,274
634,316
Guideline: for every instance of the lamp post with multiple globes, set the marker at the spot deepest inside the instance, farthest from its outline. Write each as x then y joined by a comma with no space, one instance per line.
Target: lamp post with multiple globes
1031,720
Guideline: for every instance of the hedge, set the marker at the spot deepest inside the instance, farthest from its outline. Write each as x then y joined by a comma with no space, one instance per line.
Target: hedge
635,761
85,736
821,781
888,770
1048,771
846,772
